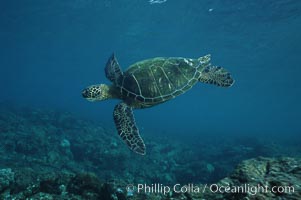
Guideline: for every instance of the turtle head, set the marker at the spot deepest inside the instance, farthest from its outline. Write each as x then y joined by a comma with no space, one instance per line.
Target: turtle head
97,92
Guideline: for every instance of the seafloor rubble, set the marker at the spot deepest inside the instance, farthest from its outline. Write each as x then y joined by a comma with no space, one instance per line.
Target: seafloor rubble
47,154
261,178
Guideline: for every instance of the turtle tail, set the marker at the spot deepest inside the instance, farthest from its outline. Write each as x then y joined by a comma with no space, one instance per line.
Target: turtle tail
217,76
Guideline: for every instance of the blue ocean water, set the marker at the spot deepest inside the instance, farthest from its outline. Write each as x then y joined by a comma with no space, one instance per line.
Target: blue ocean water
51,50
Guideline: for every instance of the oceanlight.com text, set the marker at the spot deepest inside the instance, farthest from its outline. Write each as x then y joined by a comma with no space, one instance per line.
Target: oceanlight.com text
213,188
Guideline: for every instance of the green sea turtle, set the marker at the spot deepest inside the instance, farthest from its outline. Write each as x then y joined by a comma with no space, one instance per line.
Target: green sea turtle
148,83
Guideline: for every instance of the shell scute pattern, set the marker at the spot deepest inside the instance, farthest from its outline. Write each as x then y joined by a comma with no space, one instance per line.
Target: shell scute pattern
160,79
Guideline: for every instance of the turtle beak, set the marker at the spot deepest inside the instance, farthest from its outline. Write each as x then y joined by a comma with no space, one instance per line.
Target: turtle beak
85,93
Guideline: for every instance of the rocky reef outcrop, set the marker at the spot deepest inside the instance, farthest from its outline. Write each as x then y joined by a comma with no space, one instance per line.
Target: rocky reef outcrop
48,154
260,178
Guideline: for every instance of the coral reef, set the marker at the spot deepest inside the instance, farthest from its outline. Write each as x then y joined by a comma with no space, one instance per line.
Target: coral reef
6,178
48,154
261,178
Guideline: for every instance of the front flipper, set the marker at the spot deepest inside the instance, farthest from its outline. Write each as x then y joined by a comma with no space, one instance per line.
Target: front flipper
113,70
127,129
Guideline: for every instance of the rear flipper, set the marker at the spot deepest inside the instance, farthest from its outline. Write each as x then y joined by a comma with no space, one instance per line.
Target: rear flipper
127,129
217,76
